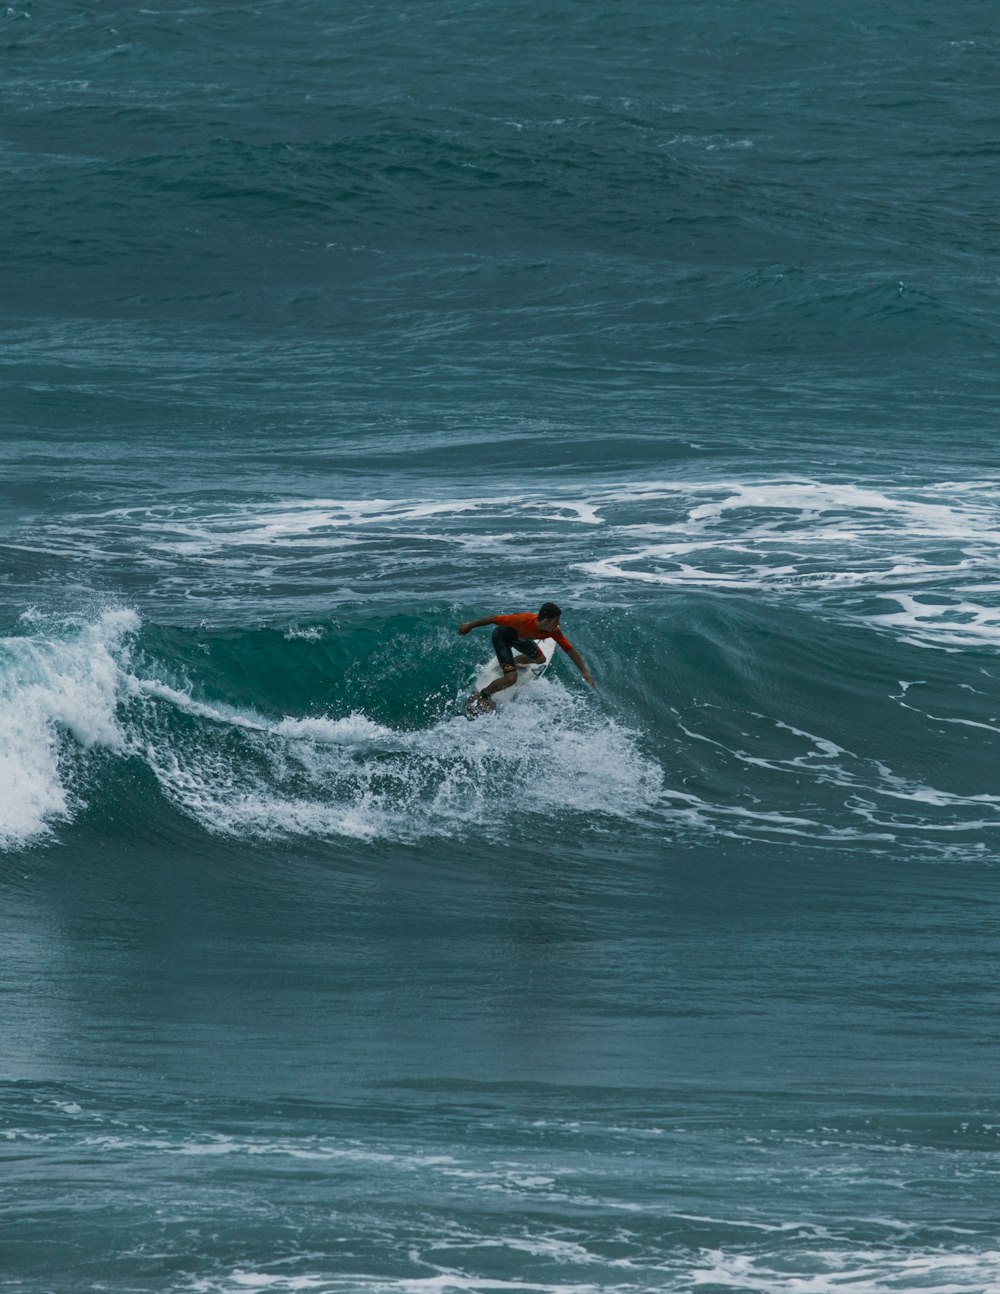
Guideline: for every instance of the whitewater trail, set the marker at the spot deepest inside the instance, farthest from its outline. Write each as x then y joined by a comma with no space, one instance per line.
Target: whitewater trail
71,687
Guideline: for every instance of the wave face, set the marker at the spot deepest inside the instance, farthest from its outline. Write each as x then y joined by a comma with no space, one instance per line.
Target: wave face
410,769
779,658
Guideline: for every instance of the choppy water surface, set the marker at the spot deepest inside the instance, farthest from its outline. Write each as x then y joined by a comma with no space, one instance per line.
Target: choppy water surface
326,331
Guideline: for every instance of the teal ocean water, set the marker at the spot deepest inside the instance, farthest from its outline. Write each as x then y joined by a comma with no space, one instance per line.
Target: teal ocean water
325,328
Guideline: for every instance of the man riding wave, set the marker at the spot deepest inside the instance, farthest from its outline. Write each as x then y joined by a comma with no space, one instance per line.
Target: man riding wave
517,633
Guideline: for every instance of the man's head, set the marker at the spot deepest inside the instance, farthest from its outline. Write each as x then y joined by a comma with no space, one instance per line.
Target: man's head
548,614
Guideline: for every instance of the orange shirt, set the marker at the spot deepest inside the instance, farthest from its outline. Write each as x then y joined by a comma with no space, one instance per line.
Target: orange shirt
526,625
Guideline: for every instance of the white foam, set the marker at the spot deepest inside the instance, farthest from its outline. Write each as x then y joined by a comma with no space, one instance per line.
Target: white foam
955,623
353,729
443,1282
284,523
310,633
269,1281
870,794
793,537
812,1270
786,537
352,777
63,678
873,1271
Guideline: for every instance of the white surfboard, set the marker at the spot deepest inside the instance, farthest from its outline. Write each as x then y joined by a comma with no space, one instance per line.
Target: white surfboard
525,677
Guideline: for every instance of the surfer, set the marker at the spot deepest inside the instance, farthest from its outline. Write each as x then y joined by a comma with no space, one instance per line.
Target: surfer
517,633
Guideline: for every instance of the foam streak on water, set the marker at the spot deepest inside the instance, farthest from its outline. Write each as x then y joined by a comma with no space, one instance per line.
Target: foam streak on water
586,1205
931,552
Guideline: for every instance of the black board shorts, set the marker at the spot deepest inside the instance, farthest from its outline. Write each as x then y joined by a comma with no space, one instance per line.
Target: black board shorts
506,643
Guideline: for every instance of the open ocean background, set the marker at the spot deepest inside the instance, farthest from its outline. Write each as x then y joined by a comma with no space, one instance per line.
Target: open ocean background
324,327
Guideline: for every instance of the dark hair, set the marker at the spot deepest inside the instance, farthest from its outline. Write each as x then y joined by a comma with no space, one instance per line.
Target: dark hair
549,611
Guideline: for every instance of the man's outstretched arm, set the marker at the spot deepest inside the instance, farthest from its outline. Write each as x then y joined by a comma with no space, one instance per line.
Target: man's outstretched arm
577,660
476,624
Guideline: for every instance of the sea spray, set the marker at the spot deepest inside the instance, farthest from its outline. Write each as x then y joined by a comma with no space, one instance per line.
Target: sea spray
60,683
238,773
